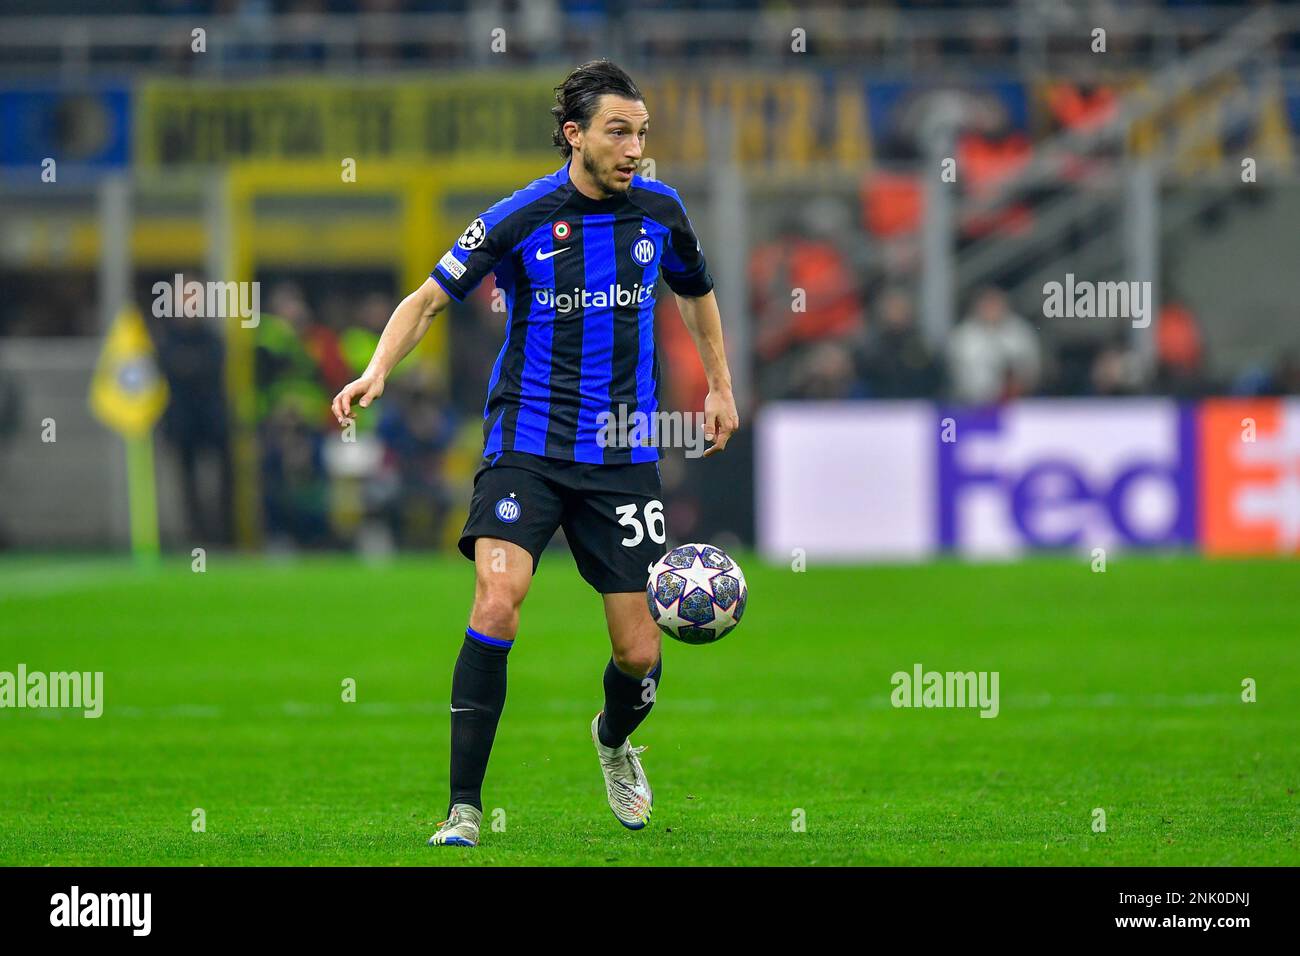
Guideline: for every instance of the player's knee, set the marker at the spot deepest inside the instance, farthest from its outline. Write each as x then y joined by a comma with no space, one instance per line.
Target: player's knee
496,613
638,661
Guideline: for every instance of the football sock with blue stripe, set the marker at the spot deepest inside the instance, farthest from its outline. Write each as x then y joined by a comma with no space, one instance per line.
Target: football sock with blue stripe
628,701
478,695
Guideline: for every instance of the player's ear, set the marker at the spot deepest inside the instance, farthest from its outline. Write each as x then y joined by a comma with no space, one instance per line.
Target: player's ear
573,133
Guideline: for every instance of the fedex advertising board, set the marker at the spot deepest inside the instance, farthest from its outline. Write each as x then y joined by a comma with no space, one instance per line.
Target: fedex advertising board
909,480
1249,471
1077,475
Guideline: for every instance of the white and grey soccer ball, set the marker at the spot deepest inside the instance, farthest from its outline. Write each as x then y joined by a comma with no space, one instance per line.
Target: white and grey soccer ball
696,593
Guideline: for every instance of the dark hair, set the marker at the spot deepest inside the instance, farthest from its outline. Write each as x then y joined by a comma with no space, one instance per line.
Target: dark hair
577,96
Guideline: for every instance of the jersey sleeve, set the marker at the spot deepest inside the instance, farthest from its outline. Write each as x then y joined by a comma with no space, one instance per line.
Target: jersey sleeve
683,265
485,242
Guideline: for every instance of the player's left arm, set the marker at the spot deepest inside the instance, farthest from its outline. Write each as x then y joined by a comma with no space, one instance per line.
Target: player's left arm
704,322
687,274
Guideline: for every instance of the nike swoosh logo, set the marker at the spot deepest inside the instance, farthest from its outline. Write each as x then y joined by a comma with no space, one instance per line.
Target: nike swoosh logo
543,256
460,710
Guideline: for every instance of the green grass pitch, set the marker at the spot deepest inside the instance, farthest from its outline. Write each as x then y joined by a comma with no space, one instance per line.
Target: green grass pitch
1119,690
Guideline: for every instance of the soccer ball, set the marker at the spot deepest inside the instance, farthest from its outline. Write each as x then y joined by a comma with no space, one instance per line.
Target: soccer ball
696,593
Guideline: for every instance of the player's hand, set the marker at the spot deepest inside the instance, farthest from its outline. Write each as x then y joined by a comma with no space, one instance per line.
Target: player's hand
367,388
720,419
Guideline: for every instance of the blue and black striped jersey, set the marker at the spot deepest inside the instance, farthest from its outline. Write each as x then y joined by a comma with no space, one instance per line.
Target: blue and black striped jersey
578,276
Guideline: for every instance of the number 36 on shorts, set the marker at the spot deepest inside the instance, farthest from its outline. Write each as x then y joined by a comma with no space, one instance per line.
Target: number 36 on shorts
651,523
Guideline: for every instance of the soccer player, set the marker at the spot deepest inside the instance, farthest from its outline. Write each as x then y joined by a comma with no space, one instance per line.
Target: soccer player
577,255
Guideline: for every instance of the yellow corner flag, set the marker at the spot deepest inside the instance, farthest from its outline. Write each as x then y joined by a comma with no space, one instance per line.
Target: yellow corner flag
128,394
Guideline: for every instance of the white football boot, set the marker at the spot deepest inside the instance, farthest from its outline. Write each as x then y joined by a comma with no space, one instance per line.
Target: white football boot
460,828
629,793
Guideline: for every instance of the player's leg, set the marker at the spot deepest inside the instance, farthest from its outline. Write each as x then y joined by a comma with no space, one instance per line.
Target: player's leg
502,574
635,666
512,516
614,525
631,684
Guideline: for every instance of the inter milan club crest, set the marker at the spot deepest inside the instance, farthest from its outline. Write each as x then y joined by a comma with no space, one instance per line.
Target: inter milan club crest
561,230
643,251
473,235
508,509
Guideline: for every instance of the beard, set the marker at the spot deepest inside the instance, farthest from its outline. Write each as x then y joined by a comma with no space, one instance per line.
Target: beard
602,178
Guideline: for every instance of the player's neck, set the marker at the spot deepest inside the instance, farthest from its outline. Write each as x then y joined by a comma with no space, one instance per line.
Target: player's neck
583,182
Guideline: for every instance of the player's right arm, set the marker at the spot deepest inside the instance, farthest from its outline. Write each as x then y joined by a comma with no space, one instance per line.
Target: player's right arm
409,321
480,247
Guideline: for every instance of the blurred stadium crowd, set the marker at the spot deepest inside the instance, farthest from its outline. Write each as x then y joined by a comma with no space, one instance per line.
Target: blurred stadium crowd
293,35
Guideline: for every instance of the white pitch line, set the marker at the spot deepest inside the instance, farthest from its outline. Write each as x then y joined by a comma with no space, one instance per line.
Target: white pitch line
56,579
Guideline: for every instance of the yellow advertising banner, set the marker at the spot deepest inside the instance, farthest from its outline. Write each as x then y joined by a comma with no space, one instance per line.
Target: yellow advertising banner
788,120
197,123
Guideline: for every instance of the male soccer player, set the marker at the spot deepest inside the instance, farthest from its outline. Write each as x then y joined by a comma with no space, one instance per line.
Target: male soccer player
577,255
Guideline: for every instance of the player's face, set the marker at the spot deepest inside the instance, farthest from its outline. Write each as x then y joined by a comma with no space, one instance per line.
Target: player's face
611,146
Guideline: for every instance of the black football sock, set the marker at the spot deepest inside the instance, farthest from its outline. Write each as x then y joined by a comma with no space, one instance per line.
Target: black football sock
628,701
478,695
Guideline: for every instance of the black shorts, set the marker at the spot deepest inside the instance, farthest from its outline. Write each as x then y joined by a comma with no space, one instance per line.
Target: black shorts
611,514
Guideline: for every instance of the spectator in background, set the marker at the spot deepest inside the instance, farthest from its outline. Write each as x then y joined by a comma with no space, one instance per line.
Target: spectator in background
11,420
1081,106
804,292
475,334
991,152
1115,371
1179,351
297,357
828,299
357,343
417,429
295,491
1285,378
897,363
994,354
11,405
825,372
192,357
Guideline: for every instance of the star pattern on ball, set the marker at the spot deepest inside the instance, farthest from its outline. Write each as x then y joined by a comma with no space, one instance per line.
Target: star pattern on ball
696,593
